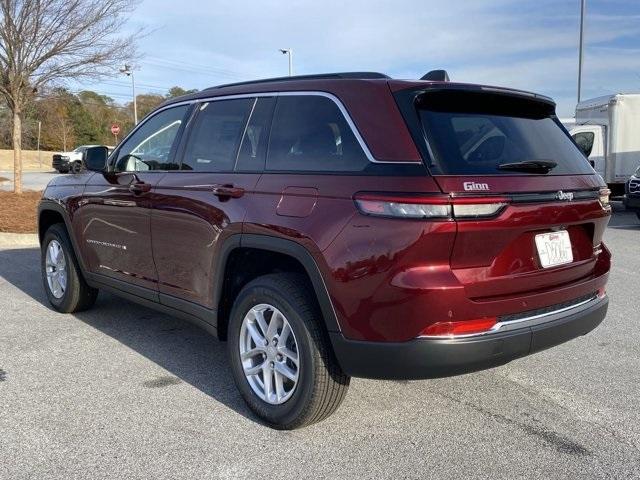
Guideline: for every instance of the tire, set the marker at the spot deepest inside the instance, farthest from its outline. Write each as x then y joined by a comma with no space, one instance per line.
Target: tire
638,215
75,295
76,167
321,385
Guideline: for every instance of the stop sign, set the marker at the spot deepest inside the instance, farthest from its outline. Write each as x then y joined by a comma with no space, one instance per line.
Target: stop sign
115,129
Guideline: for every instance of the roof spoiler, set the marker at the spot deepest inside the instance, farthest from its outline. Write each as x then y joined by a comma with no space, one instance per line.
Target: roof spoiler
436,76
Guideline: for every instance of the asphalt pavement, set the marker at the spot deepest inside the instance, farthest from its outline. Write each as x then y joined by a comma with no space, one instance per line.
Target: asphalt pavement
123,392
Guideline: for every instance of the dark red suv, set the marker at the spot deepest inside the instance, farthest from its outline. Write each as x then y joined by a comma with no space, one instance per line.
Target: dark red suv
341,225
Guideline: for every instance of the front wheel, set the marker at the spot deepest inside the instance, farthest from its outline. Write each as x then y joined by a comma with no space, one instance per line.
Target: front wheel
66,289
280,355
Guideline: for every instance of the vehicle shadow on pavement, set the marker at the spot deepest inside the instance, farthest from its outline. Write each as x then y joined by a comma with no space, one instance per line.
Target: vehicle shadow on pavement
188,353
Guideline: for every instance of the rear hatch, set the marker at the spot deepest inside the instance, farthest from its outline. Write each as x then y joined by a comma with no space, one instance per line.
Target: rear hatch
529,209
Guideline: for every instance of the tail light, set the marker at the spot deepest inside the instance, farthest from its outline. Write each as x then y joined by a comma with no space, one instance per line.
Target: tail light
604,197
428,207
474,207
381,205
464,327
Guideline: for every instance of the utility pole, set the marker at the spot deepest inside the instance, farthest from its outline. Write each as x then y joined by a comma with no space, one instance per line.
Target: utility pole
583,8
39,156
289,52
129,73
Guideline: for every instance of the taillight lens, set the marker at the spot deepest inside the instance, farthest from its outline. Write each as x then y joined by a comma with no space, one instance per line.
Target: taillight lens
464,327
428,207
478,207
403,206
604,197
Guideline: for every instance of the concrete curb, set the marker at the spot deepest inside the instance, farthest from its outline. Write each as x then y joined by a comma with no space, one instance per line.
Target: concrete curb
13,240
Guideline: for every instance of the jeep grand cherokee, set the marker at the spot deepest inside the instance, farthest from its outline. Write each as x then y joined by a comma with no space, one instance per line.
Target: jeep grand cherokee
341,225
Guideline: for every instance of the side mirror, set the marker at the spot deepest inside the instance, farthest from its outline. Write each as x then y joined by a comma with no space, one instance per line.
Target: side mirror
95,158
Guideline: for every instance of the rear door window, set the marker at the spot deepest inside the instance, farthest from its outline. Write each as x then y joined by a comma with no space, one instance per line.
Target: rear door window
478,133
310,134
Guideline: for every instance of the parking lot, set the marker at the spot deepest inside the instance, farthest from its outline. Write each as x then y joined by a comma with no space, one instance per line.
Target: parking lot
30,180
121,391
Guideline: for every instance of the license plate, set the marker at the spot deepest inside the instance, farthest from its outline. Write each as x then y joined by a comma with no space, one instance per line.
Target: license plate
554,248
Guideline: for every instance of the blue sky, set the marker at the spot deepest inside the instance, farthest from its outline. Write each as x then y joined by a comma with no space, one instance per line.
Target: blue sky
516,43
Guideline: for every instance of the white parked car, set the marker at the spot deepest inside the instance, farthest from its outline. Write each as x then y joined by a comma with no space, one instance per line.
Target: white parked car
66,162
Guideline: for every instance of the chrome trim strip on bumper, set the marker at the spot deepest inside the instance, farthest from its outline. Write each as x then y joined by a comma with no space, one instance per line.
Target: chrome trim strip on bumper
533,320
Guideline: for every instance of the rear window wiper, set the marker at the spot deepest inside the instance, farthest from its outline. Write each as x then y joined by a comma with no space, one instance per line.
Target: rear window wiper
543,166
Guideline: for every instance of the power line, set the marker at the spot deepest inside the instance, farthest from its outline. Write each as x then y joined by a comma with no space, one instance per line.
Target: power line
198,70
88,102
147,87
117,83
196,66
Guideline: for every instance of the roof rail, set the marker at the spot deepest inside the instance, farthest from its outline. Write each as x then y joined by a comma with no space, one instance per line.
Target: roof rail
320,76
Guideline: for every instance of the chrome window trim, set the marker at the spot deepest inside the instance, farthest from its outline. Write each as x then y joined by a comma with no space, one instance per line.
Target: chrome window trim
345,114
290,93
533,320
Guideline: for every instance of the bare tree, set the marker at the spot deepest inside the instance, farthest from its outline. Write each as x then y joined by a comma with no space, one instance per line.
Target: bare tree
49,41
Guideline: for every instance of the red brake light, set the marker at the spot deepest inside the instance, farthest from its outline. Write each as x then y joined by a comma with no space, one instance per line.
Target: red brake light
465,327
429,206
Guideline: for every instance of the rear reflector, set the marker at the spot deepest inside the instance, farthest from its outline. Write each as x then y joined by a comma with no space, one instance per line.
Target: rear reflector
426,207
604,197
465,327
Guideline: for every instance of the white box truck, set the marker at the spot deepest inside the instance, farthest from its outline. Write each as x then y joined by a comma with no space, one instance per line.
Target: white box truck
607,130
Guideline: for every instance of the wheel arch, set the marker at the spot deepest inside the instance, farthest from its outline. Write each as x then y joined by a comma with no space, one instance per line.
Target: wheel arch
50,213
296,258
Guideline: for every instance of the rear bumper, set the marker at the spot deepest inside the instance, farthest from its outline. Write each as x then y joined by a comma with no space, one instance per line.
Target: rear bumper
431,358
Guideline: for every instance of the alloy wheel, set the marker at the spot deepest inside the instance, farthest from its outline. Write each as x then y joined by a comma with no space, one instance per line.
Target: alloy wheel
56,269
269,354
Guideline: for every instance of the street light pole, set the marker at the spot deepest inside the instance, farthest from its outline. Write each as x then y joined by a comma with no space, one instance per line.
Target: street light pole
129,73
583,8
289,52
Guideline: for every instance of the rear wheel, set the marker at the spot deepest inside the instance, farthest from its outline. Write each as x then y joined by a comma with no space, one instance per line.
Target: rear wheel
638,215
66,289
280,355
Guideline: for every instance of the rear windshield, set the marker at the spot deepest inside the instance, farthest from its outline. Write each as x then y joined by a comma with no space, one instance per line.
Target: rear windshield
480,133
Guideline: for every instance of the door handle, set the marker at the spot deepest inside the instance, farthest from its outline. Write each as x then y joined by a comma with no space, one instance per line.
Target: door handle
139,187
227,191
